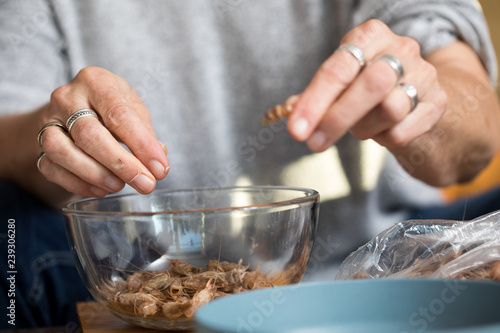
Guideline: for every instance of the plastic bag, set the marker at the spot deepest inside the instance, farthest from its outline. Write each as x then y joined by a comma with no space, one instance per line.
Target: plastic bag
430,249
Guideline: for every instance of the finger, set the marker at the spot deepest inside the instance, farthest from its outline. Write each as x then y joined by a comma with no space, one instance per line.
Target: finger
123,120
124,114
373,85
400,102
418,122
95,140
165,150
292,101
67,180
62,151
391,111
334,76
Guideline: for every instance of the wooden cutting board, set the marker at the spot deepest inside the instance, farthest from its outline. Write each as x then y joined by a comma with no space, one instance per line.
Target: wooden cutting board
94,318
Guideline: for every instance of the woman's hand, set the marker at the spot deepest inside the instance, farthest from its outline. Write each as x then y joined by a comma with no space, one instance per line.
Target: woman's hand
369,101
89,160
448,135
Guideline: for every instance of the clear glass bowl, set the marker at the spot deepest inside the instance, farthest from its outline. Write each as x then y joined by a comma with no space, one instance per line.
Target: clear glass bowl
153,260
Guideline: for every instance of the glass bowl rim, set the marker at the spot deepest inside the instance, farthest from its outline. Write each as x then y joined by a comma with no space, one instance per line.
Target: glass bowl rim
311,196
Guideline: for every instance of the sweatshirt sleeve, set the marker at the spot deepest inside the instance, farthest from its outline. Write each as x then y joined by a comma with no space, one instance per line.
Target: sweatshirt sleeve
32,55
434,24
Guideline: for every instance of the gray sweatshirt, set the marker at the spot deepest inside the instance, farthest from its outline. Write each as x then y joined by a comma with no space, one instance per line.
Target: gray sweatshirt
208,70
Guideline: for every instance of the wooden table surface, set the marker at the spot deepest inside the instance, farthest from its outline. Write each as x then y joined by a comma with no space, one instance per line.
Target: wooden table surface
94,318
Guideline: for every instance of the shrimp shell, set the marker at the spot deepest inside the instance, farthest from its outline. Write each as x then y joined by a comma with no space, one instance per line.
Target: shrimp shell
200,298
276,113
158,282
174,310
144,304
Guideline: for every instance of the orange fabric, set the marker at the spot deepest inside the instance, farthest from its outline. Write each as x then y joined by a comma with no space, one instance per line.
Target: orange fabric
486,180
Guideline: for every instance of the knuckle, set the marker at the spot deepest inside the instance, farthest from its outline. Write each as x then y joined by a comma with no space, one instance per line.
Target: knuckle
392,112
60,94
396,138
442,100
86,136
429,71
366,32
101,83
94,177
73,186
335,72
116,116
431,114
409,45
90,73
377,80
337,120
434,109
48,171
373,27
51,142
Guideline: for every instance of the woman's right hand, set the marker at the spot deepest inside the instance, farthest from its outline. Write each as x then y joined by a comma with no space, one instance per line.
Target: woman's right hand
90,160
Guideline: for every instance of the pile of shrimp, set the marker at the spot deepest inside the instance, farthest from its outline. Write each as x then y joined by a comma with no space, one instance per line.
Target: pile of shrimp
490,271
423,268
179,291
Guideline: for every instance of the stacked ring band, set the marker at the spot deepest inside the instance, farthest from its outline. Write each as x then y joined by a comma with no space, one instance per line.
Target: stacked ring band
45,127
411,91
355,51
395,63
39,159
77,115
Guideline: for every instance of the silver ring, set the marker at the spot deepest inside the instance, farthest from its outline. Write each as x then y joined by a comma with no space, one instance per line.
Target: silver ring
411,91
77,115
44,128
395,63
39,159
355,51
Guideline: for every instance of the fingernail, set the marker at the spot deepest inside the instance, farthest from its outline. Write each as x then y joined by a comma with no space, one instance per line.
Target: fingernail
317,140
143,183
98,192
167,170
299,128
292,100
113,183
157,169
164,148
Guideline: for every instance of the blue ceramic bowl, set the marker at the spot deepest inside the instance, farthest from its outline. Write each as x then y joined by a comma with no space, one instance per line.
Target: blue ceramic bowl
385,305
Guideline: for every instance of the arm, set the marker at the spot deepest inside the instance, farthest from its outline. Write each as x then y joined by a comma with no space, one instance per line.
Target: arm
467,137
18,166
26,87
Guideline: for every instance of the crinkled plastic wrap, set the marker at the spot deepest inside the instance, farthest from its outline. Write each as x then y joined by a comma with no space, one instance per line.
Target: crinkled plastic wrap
430,249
